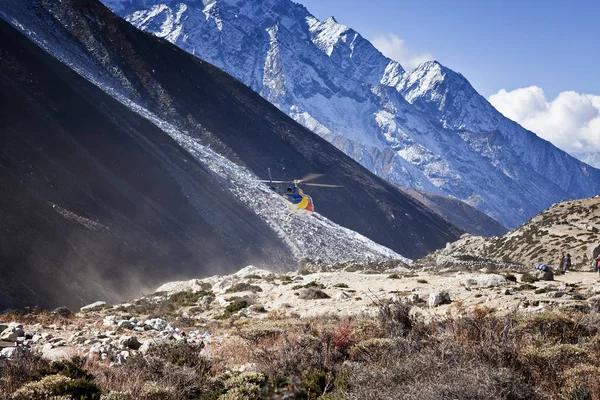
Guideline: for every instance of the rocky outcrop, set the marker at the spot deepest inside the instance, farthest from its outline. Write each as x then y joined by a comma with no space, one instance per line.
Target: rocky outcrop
564,227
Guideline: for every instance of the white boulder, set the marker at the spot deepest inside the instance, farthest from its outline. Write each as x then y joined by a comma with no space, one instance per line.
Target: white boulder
93,305
438,298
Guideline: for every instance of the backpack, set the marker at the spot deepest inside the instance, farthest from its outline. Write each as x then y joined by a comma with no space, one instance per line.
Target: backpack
542,267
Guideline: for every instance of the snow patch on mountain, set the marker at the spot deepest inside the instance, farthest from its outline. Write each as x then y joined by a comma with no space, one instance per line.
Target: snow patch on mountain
325,34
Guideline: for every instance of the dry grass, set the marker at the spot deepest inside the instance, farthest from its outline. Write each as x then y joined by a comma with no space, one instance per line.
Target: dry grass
477,355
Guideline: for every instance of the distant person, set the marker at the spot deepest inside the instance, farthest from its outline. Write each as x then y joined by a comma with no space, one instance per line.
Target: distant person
561,260
597,263
566,264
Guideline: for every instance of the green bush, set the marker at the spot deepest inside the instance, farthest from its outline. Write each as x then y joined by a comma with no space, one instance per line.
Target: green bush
313,384
510,277
236,304
341,285
528,278
244,287
188,297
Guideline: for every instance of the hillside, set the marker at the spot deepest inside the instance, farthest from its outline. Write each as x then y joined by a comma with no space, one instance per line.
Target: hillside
111,192
461,214
216,111
101,200
569,226
426,129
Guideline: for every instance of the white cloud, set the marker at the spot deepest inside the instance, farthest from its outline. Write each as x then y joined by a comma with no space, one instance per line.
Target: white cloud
395,48
571,121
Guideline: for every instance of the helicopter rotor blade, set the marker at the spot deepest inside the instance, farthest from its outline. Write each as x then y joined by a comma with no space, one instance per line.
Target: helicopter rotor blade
323,185
310,177
268,181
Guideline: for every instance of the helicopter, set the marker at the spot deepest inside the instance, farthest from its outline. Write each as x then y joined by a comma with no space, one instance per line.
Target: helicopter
297,201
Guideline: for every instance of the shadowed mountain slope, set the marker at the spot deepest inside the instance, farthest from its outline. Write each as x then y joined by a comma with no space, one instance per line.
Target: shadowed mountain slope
458,212
103,201
235,121
97,200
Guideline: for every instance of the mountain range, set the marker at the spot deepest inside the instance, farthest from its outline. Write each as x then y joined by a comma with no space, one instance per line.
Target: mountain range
130,162
427,129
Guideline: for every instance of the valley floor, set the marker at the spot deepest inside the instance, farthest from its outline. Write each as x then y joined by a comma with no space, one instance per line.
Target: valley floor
319,333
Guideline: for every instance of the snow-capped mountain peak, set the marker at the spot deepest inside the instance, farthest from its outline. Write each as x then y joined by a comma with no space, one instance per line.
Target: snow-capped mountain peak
326,34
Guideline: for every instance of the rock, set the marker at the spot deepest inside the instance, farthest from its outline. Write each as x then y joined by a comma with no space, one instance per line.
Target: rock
62,312
109,320
93,305
544,275
130,342
439,298
252,270
507,292
9,335
342,296
312,294
487,280
146,346
125,324
3,327
193,285
206,301
8,352
595,289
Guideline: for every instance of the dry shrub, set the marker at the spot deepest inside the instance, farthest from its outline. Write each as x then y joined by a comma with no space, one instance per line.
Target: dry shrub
557,327
395,319
343,336
33,315
547,363
24,367
581,383
405,369
167,372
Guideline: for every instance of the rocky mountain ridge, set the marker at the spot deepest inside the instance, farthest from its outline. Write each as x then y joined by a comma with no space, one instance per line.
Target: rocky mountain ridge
569,227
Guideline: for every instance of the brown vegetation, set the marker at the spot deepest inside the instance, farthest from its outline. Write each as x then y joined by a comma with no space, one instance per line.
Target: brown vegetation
400,355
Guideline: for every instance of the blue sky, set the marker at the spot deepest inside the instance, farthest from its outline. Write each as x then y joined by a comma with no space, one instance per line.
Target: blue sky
552,44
